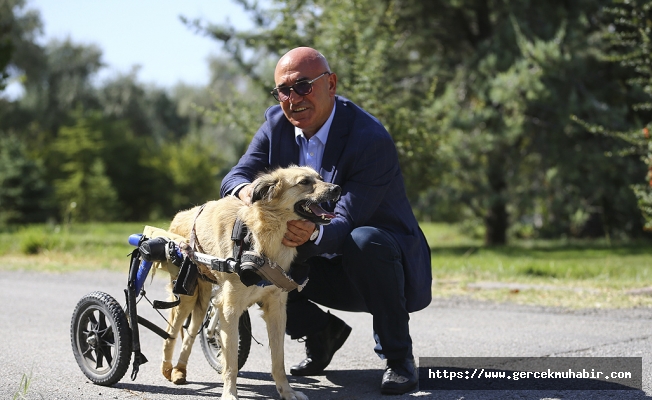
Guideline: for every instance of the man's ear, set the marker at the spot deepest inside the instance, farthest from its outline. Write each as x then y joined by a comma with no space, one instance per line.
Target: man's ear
264,189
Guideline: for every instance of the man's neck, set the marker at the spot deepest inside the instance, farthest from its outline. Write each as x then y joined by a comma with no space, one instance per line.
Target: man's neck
309,135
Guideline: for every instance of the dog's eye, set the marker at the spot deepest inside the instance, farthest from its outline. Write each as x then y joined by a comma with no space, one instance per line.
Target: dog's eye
305,181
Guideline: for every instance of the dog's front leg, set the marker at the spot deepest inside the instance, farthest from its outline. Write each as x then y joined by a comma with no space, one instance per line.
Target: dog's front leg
229,334
275,318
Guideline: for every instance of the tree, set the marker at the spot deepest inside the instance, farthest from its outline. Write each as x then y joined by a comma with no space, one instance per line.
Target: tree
223,115
518,158
149,111
628,36
361,40
63,84
6,43
20,55
85,192
120,149
54,86
23,192
18,28
477,96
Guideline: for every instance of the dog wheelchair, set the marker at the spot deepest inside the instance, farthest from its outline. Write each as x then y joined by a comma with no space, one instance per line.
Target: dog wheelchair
104,334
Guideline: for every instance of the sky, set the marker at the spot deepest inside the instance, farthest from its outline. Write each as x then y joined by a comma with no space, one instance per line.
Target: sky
142,32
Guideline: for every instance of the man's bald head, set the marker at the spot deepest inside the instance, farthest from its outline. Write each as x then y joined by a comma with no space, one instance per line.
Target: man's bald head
302,56
309,111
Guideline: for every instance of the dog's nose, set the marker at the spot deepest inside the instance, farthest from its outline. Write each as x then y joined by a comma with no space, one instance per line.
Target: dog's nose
336,190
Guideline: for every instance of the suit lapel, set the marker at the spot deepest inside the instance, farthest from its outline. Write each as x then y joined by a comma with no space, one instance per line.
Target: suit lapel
288,149
337,137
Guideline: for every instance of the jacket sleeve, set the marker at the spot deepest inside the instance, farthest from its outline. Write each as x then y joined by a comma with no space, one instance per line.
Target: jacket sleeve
369,167
254,161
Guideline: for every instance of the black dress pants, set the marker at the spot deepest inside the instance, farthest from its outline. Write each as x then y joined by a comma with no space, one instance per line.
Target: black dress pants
367,277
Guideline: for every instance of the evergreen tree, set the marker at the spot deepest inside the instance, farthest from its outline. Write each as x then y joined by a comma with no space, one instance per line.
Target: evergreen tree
18,28
629,39
85,192
23,193
477,96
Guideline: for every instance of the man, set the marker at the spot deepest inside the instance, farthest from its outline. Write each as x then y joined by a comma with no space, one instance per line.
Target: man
373,256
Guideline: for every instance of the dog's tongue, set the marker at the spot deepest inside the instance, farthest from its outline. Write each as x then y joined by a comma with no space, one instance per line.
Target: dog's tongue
320,212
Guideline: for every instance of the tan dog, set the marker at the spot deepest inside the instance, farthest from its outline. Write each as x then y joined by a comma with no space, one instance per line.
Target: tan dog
283,195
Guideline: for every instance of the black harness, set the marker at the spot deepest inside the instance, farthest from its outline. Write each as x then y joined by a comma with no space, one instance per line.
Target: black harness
252,268
241,238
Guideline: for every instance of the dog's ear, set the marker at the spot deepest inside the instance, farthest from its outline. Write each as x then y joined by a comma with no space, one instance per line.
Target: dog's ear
264,188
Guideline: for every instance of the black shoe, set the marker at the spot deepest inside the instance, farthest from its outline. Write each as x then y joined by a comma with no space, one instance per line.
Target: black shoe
321,346
400,376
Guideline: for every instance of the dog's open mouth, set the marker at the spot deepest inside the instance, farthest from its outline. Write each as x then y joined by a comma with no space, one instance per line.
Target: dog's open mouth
313,212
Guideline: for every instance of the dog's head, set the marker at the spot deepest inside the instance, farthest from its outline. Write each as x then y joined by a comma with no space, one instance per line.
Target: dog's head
299,189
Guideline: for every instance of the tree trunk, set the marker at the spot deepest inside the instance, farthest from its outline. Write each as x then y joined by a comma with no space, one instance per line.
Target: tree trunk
496,224
496,219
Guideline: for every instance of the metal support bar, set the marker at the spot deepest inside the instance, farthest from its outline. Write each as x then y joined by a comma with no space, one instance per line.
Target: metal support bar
131,294
153,327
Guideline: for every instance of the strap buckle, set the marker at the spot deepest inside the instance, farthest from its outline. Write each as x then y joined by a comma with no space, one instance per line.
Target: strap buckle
228,265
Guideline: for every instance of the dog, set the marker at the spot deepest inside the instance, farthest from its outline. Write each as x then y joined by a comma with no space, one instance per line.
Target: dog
279,196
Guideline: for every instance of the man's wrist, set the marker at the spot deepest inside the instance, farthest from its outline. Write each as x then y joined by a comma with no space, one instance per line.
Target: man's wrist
319,229
236,191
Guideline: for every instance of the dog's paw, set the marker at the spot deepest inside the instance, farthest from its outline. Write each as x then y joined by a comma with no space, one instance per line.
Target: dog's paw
166,370
178,376
228,396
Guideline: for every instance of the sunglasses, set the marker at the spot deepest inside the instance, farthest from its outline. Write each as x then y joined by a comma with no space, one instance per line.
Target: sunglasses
302,88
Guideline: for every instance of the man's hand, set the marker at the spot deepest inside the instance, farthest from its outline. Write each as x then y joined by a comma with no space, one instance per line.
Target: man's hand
298,232
245,194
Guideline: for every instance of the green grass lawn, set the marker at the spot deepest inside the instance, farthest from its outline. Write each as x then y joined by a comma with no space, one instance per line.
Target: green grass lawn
575,274
565,273
88,246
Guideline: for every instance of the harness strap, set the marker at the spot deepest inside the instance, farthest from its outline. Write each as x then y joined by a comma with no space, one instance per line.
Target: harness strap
194,245
271,271
226,265
241,238
163,305
193,232
248,260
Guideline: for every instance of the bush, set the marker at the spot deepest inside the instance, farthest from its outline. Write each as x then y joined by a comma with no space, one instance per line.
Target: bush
35,240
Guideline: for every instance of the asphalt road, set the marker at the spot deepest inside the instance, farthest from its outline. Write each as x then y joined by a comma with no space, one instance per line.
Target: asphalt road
35,331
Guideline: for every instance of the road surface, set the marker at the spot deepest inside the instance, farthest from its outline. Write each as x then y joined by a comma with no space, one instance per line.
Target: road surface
35,331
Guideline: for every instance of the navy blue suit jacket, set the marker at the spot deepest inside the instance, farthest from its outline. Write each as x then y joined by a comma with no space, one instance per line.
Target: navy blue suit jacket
361,157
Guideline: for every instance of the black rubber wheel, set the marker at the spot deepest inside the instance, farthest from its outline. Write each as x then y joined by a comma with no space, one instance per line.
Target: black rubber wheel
212,346
101,338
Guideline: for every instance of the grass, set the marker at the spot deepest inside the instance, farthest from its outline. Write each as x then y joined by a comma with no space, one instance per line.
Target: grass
53,248
24,388
561,273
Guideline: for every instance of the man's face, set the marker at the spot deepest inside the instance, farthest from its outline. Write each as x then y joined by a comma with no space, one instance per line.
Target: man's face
311,111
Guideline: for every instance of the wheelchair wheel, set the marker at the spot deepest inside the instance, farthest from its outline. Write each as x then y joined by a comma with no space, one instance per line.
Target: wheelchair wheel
211,343
101,338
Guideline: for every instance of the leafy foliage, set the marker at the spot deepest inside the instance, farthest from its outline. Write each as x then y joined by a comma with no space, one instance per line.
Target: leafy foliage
23,192
477,96
118,150
18,28
85,192
627,35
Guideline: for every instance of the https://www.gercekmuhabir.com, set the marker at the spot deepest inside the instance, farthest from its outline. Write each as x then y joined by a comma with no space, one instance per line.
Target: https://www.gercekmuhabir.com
530,373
